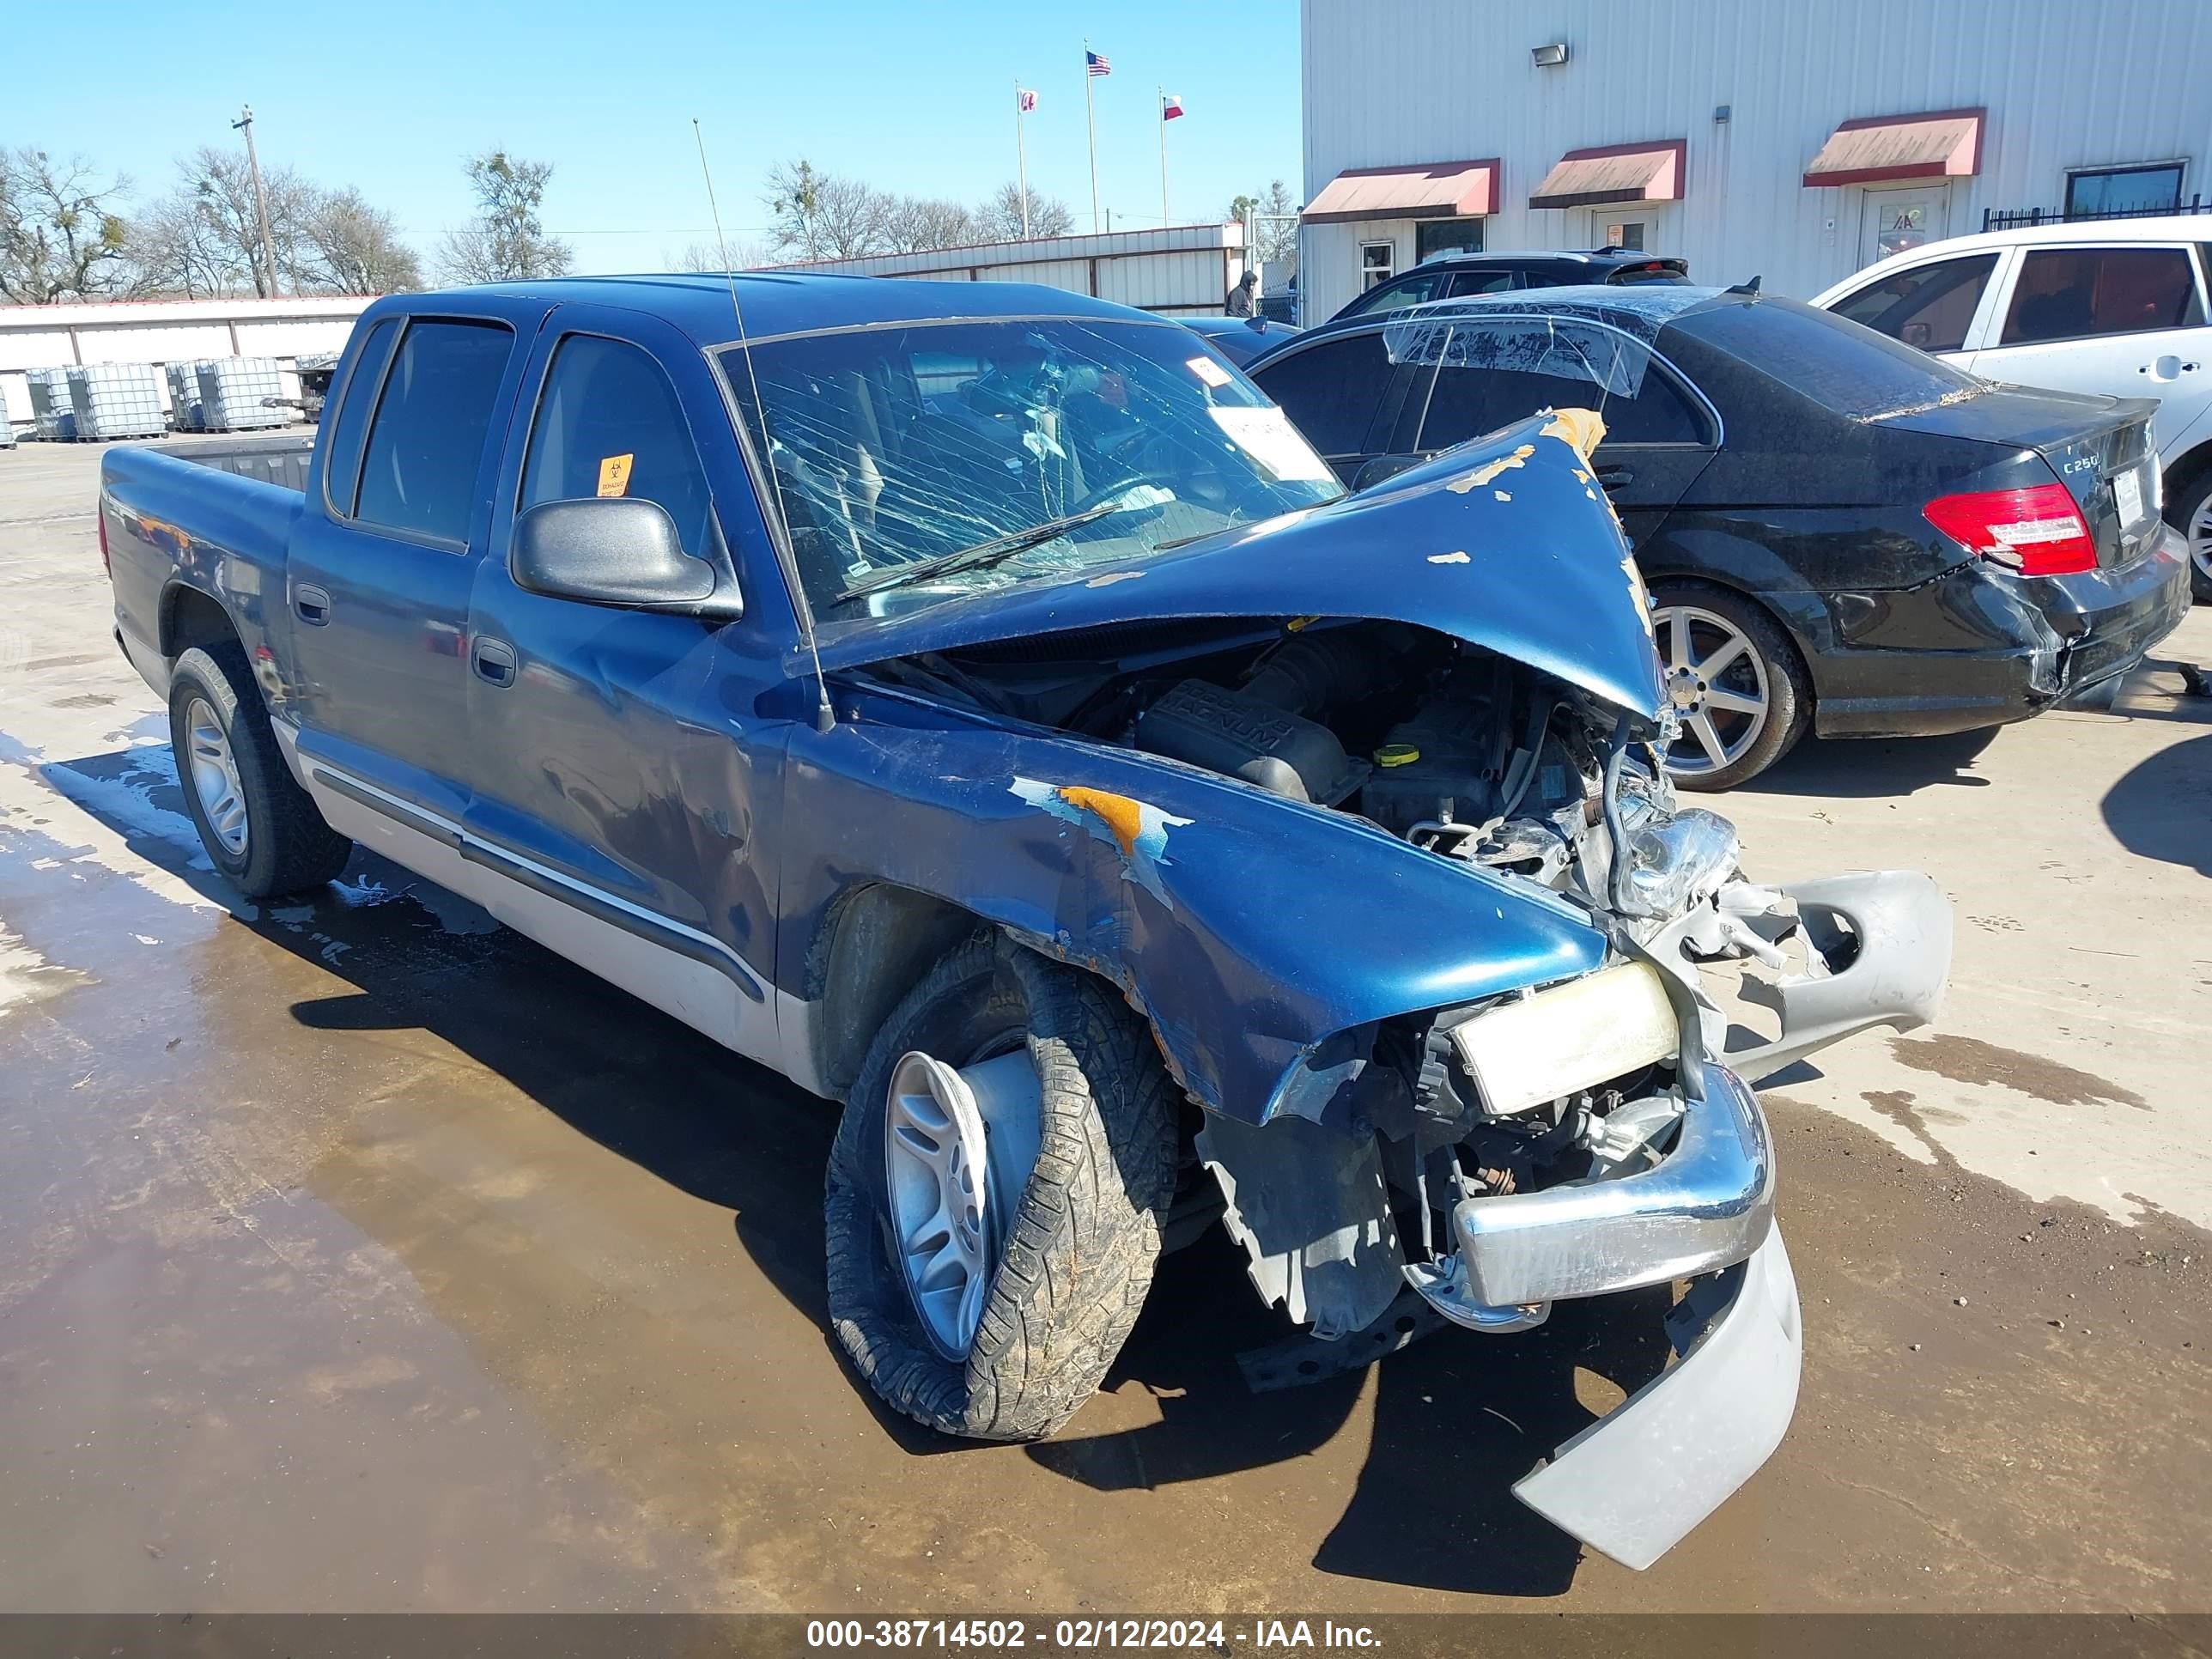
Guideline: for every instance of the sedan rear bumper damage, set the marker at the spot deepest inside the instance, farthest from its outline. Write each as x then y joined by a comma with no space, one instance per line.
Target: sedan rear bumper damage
1633,1483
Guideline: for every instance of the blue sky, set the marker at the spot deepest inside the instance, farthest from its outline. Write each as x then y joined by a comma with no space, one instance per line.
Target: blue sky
913,97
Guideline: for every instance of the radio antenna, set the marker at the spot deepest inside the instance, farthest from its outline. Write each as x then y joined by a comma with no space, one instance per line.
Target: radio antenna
825,717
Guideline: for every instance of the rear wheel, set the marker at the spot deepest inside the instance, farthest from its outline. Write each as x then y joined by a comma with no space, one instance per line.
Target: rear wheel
2190,512
259,826
1736,683
993,1197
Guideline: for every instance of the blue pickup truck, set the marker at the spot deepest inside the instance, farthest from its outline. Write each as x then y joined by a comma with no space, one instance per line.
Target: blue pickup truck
978,704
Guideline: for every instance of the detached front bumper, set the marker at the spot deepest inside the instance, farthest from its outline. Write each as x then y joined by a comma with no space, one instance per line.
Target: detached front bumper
1634,1482
1637,1480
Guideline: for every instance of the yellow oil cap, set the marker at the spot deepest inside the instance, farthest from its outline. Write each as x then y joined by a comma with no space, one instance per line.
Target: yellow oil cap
1396,754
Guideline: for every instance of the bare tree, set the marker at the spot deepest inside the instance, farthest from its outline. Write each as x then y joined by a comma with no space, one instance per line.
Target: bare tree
1277,210
219,182
507,240
914,224
824,216
60,237
357,248
999,219
746,253
175,251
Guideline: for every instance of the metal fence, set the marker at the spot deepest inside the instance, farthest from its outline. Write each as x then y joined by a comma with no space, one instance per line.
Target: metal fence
1995,219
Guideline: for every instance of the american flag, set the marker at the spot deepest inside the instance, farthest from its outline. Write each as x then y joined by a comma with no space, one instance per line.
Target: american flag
1024,99
1095,63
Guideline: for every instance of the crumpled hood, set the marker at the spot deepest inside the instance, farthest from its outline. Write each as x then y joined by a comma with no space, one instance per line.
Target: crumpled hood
1506,542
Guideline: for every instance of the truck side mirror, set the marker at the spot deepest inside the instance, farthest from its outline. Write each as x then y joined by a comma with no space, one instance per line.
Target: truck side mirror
616,550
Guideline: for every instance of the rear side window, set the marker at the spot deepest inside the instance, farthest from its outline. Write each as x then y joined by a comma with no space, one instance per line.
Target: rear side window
1422,285
2078,293
426,446
1930,306
608,424
1850,370
1331,391
1480,282
1468,402
341,470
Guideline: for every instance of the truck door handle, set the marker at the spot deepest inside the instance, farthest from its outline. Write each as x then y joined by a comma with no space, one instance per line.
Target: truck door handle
312,605
494,661
1610,476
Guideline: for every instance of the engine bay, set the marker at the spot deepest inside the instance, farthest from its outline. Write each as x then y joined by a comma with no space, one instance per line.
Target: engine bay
1457,749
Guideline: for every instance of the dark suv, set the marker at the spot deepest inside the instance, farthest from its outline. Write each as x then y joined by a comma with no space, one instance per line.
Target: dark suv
1456,274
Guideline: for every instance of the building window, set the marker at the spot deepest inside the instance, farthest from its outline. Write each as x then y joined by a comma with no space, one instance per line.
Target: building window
2103,192
1433,236
1625,234
1378,263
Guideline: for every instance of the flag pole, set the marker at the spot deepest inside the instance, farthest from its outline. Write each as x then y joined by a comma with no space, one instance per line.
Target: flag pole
1160,109
1091,120
1021,159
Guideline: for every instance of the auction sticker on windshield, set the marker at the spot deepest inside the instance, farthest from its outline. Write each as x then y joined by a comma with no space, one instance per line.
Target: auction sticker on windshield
1208,371
1265,432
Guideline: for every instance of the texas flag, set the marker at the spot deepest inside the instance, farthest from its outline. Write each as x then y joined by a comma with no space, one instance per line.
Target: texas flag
1171,106
1024,99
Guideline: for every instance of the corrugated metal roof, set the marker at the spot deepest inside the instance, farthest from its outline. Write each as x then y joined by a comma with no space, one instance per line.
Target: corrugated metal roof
1947,144
1613,173
1435,190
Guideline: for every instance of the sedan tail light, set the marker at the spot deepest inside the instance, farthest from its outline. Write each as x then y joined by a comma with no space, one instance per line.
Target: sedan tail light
2038,530
105,564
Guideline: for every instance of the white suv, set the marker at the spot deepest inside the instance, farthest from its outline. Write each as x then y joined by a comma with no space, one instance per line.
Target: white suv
2114,305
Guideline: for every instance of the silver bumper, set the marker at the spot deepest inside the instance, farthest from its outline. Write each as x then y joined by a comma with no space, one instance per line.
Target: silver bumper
1884,937
1707,1206
1637,1480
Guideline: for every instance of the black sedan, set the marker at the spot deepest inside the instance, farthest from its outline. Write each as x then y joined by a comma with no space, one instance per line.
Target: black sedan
1240,339
1840,534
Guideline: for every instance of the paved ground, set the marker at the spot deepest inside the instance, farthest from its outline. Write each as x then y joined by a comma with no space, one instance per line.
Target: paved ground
361,1255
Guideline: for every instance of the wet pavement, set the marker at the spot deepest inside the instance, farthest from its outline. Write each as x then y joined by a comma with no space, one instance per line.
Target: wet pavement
360,1255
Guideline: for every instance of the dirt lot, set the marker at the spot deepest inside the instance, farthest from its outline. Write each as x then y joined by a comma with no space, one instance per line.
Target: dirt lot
361,1255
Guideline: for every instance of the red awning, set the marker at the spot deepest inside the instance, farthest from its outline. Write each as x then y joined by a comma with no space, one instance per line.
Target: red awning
1614,172
1942,144
1438,190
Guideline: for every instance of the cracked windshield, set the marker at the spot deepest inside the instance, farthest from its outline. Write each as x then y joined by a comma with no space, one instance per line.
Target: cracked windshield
917,464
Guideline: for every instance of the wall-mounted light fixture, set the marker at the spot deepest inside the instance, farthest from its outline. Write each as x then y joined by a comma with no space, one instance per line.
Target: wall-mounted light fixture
1549,56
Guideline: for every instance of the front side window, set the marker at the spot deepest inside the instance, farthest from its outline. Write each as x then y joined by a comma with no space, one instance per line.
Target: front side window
916,462
2078,293
1467,283
426,446
1466,403
1378,263
1414,289
2098,192
608,424
1930,306
1331,390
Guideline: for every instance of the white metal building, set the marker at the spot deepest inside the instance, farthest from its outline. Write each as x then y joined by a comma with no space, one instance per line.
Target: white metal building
1796,142
1181,271
166,331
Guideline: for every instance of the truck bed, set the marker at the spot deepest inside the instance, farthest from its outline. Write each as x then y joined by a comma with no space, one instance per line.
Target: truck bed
282,461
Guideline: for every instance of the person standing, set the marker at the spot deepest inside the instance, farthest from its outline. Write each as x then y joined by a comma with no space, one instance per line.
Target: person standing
1244,297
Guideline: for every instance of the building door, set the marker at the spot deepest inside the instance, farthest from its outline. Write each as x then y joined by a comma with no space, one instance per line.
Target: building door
1893,221
1633,225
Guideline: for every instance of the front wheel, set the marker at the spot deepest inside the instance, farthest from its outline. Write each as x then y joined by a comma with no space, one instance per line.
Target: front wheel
260,830
994,1194
1735,682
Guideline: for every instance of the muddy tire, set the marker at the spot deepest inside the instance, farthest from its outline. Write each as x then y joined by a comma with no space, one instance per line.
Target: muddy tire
259,828
1078,1248
1764,670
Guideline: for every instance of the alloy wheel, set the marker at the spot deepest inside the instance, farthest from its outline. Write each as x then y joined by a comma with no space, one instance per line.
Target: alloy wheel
958,1147
2200,542
1717,683
215,776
